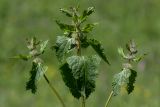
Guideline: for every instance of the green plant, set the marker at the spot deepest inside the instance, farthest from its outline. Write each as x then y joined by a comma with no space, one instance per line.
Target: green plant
127,77
79,70
36,49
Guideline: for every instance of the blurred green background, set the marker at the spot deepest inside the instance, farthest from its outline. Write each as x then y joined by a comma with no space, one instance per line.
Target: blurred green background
119,21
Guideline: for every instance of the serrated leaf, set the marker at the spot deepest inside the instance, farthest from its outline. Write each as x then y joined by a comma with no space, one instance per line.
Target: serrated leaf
84,43
63,46
132,79
88,28
31,84
36,73
92,66
70,81
87,13
43,46
65,27
84,69
66,12
77,64
120,80
96,45
23,57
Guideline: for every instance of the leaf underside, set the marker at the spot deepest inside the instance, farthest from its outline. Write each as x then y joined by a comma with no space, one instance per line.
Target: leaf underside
43,46
36,74
125,78
63,46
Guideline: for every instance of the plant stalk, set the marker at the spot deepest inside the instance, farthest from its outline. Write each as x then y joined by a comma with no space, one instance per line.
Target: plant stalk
78,31
54,90
83,101
79,53
109,99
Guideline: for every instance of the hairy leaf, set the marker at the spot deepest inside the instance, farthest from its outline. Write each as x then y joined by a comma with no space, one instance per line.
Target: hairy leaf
86,13
77,64
88,28
43,46
41,70
70,81
132,79
66,12
63,46
92,65
84,69
65,27
84,41
96,45
36,73
120,80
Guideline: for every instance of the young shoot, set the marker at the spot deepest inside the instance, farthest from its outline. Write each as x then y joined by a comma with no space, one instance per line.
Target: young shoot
127,77
79,72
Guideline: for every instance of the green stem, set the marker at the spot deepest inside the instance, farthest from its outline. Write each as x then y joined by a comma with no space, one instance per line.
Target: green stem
54,90
79,53
78,32
109,99
83,101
